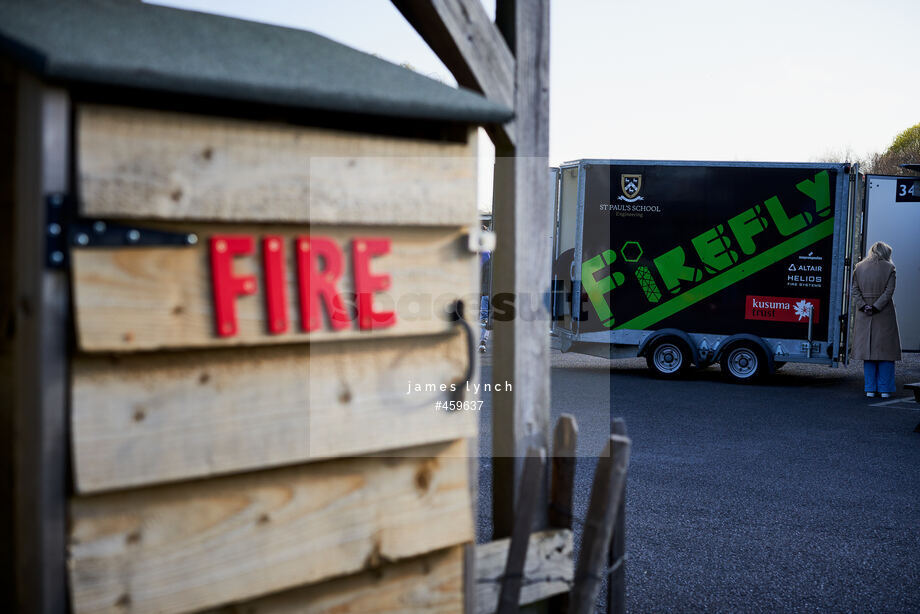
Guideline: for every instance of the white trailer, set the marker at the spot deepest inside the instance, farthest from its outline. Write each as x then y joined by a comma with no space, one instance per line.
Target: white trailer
893,216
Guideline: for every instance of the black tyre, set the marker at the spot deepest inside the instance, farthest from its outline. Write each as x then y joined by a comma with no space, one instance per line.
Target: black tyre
743,362
668,357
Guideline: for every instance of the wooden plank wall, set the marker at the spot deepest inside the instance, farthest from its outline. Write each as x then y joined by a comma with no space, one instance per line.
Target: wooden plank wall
144,298
429,584
199,544
157,164
293,472
147,419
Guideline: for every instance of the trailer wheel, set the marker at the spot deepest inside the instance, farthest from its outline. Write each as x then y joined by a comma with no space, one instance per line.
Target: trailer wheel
668,357
743,362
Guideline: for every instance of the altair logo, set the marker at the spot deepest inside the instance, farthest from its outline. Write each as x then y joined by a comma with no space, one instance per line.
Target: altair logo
781,309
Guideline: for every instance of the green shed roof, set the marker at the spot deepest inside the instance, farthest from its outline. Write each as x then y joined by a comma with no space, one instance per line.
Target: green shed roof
130,44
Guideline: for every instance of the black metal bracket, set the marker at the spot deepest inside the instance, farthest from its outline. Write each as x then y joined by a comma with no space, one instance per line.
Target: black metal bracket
455,315
65,231
58,210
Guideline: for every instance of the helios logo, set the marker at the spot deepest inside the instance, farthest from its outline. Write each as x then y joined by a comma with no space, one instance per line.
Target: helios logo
781,309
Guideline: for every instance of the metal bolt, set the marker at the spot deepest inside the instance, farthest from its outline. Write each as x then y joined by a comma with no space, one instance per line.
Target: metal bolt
82,239
191,239
54,229
134,236
99,227
57,257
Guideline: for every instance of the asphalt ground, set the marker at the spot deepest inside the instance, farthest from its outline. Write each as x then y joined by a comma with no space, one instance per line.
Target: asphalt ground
796,494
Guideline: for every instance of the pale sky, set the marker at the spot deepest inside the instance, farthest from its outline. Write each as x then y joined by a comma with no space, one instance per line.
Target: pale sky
778,80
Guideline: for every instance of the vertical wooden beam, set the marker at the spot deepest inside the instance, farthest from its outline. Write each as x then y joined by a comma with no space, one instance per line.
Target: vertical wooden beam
521,261
616,581
509,598
8,104
41,354
595,542
562,486
469,44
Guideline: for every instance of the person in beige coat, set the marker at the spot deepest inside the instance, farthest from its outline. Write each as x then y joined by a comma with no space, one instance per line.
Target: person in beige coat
875,332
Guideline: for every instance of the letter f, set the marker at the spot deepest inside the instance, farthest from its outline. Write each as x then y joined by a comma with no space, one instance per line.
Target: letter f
598,289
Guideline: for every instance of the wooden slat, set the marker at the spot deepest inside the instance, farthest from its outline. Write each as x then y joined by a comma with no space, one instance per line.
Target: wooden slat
142,419
429,584
155,164
522,263
206,543
562,486
616,581
548,569
137,298
509,597
8,116
606,491
40,344
471,47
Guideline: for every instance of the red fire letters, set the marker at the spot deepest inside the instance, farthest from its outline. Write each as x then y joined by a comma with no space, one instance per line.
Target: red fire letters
320,264
275,291
225,285
362,250
315,283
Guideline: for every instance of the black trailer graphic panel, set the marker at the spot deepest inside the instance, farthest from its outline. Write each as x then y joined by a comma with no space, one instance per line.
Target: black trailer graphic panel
711,249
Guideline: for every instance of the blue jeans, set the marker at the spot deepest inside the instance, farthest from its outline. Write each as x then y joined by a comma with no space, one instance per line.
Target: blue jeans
879,375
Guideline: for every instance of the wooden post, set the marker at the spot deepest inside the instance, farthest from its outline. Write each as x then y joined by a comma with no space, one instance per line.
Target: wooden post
510,596
40,442
471,47
521,263
616,581
562,483
595,543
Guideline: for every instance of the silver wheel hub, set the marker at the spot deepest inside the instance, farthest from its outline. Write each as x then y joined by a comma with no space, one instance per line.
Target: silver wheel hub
742,362
667,358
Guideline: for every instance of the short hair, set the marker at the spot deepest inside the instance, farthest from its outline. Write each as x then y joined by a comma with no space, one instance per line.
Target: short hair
880,251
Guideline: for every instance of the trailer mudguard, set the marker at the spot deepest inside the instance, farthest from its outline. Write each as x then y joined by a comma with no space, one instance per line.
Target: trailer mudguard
670,332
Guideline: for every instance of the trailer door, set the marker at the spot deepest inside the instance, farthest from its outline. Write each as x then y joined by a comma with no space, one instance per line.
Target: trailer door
564,236
853,234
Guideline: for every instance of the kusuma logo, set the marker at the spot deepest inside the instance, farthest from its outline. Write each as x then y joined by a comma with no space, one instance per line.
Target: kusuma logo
781,308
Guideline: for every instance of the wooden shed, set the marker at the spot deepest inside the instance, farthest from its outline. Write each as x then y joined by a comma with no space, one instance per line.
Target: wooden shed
228,252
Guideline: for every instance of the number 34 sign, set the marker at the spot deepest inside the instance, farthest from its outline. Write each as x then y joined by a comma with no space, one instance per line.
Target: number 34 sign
319,269
907,191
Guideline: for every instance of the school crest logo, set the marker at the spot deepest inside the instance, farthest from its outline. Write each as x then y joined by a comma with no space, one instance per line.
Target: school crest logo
630,184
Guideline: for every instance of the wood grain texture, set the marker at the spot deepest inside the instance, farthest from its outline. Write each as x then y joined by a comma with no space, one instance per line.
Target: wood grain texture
142,298
562,486
202,544
616,581
606,492
548,568
509,597
429,584
40,344
8,116
463,36
155,164
522,262
144,419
